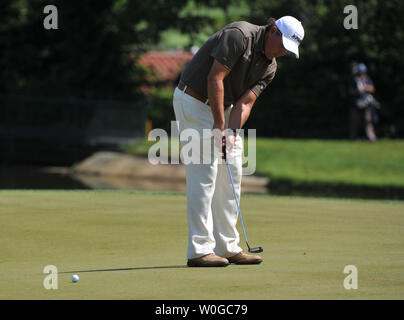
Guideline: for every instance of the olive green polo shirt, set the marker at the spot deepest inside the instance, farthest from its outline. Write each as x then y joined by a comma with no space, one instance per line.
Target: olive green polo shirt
240,48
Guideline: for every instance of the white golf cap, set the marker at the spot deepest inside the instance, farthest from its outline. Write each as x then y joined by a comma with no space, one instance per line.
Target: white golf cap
292,33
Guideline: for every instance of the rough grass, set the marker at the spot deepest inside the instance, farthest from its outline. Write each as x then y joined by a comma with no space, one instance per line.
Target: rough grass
379,164
357,163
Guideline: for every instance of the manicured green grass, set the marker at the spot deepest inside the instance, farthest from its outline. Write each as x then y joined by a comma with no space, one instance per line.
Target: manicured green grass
324,161
131,245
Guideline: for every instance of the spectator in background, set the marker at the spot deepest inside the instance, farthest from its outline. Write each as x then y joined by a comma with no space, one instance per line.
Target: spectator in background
364,105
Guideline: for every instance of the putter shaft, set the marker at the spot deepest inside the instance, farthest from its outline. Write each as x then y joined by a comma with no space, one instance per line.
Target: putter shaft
252,250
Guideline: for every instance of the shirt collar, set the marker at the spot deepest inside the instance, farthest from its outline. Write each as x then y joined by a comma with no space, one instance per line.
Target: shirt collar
260,43
259,46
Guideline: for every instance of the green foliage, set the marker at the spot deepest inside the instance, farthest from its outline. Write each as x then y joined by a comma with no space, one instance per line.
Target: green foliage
160,109
218,13
308,97
83,58
88,56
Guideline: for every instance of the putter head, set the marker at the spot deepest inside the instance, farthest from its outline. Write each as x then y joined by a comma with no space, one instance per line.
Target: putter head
255,250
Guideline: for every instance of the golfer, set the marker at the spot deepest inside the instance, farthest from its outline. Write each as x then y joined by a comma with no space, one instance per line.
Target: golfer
217,91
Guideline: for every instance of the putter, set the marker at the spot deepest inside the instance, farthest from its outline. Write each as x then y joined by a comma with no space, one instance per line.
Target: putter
251,250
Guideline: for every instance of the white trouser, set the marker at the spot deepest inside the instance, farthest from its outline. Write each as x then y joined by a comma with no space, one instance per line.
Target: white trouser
211,207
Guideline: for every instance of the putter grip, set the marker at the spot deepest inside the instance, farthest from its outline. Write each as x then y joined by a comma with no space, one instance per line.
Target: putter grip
224,151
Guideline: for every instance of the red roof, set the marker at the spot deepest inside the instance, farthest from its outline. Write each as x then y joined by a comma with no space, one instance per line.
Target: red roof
166,65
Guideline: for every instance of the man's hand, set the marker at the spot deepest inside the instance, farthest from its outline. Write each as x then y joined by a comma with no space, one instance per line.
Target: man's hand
218,137
369,88
230,140
225,141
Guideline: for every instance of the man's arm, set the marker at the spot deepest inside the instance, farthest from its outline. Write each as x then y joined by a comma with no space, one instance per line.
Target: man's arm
241,110
369,88
216,93
239,115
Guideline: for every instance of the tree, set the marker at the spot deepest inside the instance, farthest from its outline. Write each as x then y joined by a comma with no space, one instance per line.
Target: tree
87,57
308,97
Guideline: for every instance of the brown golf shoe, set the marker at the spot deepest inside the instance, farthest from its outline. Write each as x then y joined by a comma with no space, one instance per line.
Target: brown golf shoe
244,258
209,260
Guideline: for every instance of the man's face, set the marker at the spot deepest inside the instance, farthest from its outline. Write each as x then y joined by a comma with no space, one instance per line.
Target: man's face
273,44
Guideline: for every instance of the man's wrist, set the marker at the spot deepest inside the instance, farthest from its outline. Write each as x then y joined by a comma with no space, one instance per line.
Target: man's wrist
235,131
219,125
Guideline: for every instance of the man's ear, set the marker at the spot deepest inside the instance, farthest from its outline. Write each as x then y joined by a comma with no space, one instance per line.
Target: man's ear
269,33
272,30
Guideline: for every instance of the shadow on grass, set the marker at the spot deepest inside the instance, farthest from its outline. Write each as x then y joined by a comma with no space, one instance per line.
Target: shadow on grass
333,189
126,269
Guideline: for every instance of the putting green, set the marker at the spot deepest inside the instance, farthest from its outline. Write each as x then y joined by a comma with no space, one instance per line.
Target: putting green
128,245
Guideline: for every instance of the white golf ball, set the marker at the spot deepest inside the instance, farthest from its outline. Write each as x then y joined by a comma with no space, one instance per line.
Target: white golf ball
75,278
